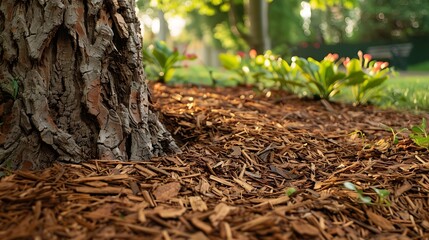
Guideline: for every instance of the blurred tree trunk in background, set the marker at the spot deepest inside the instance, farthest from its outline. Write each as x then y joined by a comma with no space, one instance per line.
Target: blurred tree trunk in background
256,32
72,85
163,27
259,38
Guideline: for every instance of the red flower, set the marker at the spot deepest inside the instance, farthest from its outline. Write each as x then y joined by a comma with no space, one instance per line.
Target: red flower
367,57
253,53
360,54
346,61
190,56
304,45
316,45
241,54
331,57
378,66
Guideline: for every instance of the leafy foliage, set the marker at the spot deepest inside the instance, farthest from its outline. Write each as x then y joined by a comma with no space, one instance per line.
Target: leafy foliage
322,79
382,194
290,191
365,77
261,69
361,196
161,61
420,135
395,134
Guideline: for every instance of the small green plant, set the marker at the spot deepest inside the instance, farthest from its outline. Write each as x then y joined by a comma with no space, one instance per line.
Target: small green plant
251,68
420,135
161,61
382,194
284,75
290,191
395,134
323,79
361,196
235,63
365,77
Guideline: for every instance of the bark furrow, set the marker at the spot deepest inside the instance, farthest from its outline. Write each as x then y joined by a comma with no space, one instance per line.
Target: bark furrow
72,85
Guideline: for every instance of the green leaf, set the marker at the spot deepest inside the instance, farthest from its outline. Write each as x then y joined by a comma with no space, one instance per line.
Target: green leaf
373,83
355,78
423,125
173,59
382,193
169,74
365,199
417,130
354,66
421,141
350,186
160,56
162,47
230,61
290,191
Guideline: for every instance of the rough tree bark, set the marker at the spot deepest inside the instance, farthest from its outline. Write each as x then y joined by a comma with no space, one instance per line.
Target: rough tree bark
72,84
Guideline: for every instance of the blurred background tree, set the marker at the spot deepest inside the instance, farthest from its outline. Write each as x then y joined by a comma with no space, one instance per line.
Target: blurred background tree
283,26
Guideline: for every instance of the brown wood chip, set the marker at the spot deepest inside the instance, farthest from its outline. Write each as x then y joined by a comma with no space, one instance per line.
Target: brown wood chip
241,151
197,204
305,229
380,220
167,191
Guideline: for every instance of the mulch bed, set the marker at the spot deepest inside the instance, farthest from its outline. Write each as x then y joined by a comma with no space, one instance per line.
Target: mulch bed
242,151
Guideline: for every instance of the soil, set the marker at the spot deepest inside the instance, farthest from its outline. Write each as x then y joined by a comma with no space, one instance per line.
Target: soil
255,165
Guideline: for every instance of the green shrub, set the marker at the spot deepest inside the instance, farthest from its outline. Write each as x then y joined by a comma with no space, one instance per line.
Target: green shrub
161,61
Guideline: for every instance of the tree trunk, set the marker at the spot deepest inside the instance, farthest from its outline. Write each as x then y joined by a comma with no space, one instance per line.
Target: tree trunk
72,85
163,27
258,25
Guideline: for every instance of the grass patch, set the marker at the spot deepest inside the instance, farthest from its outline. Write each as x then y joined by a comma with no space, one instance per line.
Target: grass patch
200,75
404,91
424,66
407,91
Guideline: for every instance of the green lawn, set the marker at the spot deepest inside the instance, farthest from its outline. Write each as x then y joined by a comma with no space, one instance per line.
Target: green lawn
424,66
200,75
409,91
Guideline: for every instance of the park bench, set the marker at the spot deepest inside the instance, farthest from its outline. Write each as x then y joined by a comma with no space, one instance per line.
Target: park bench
396,54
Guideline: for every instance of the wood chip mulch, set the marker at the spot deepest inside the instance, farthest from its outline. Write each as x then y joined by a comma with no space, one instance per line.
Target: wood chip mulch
243,151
